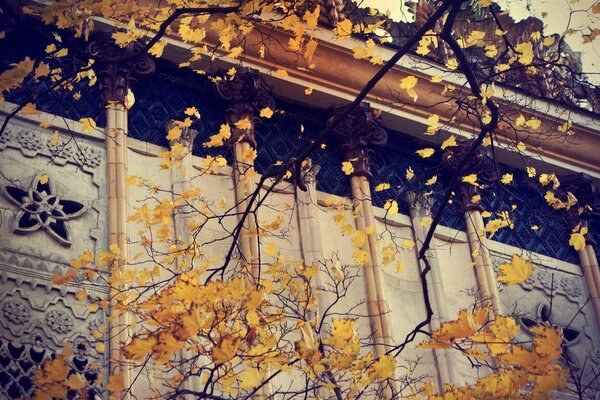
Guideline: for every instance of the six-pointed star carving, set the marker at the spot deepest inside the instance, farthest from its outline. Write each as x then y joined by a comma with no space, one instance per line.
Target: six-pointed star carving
41,208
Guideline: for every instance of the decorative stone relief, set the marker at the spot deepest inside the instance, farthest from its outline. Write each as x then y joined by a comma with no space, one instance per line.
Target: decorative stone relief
32,143
40,208
56,220
554,297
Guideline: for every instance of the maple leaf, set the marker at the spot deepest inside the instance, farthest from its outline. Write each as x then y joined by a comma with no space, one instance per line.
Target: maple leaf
515,272
116,383
225,351
547,341
391,206
347,168
12,78
361,257
76,382
451,141
506,179
409,173
382,186
249,378
462,327
470,179
384,368
425,153
139,348
88,125
577,239
266,112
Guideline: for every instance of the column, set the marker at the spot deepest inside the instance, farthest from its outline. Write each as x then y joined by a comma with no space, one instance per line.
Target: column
114,80
481,164
420,206
247,94
583,187
181,180
357,132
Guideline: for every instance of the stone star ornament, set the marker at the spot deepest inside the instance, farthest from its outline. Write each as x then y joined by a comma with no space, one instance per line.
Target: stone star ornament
40,208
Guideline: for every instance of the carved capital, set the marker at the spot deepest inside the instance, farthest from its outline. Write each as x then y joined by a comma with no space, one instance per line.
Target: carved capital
359,131
309,172
331,11
115,77
188,135
420,205
480,163
246,93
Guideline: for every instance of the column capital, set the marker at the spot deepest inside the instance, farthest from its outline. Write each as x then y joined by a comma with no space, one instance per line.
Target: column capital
359,131
480,163
420,205
114,78
186,138
246,94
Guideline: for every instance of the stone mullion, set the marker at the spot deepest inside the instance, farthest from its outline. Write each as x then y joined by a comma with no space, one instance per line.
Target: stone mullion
420,206
114,81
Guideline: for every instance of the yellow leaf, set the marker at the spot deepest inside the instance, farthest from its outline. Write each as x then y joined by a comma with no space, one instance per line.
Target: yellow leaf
409,173
525,51
533,123
12,78
192,111
88,125
577,239
425,153
30,109
282,73
271,249
384,367
81,295
308,91
225,351
470,179
343,29
432,122
506,179
347,168
266,112
531,172
451,141
408,244
431,180
436,78
518,271
361,257
400,266
476,198
116,383
452,64
100,347
244,123
43,179
76,382
249,378
408,84
54,138
426,221
548,341
490,51
382,186
157,49
391,206
139,349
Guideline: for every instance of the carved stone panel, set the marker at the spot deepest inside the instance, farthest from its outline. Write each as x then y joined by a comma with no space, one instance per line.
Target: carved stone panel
558,298
52,209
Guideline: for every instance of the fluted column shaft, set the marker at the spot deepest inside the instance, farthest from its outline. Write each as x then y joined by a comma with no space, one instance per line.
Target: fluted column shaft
114,80
420,206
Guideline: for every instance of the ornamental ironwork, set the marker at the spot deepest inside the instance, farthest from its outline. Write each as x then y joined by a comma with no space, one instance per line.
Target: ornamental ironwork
40,208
